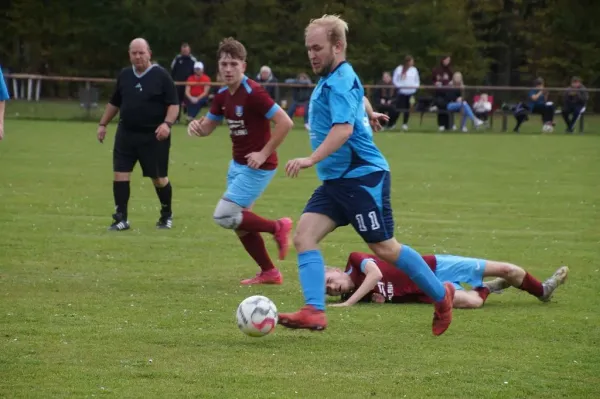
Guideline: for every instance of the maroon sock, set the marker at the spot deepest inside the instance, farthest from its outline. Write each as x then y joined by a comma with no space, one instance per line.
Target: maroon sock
255,246
483,292
532,285
253,223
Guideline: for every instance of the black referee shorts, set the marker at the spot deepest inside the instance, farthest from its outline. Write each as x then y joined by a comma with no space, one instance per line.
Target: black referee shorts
152,154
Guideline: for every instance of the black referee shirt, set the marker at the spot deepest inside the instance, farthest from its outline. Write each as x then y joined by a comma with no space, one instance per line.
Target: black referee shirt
143,98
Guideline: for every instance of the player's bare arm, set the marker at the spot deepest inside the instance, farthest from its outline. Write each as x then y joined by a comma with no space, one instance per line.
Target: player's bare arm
188,93
202,127
372,277
337,136
109,113
283,125
375,118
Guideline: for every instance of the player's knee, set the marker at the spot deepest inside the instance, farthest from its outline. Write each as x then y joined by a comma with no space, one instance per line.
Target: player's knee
228,215
303,240
509,271
388,250
160,181
474,302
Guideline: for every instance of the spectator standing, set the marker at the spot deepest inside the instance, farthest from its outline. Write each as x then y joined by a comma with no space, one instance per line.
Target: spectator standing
407,80
182,67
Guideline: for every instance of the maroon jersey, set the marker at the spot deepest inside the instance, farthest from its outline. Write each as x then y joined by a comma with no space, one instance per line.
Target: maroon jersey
394,285
248,112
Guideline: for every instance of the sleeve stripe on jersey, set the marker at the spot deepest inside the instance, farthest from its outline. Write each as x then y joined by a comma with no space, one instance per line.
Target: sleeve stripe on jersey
272,111
213,117
364,262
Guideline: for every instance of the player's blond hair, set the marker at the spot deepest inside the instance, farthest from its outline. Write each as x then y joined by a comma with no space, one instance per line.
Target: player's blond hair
335,26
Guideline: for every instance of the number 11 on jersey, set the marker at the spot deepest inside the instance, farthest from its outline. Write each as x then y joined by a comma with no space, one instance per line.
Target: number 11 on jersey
372,216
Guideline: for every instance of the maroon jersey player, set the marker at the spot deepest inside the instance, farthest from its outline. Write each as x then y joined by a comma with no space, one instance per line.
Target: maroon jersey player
248,111
368,278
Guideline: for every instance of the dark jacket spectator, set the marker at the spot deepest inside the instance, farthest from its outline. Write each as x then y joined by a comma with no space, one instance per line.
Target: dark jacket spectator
266,76
575,99
182,66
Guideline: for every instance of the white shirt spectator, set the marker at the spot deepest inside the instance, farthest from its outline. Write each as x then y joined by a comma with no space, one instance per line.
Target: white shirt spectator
482,105
408,83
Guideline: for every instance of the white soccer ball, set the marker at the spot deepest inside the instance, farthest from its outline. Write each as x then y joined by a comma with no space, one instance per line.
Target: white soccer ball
257,316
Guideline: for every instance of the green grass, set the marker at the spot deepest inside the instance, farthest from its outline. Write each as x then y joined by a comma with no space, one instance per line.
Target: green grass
83,310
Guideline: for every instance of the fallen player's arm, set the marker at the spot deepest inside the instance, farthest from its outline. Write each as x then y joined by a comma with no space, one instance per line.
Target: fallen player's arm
372,277
283,125
337,136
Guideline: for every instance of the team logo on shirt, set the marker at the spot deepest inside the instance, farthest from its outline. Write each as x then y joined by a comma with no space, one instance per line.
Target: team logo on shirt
239,111
138,86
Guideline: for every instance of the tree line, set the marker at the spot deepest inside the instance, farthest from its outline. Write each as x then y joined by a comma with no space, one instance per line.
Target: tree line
492,42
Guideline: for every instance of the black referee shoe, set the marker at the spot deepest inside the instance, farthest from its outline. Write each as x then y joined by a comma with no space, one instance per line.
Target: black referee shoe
119,223
165,221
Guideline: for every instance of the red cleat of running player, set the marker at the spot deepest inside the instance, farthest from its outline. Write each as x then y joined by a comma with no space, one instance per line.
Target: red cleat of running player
308,317
442,316
272,276
282,236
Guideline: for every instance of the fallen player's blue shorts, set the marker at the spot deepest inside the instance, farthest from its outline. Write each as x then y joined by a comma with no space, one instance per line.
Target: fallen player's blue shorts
458,269
245,185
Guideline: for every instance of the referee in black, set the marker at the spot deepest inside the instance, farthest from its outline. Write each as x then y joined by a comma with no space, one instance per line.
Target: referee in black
146,98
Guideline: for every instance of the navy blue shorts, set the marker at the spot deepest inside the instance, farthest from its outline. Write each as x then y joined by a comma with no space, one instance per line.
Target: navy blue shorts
363,202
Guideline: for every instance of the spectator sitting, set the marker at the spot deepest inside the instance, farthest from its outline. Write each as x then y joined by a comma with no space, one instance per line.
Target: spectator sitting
482,107
266,76
196,95
384,99
441,76
539,104
574,103
300,96
455,102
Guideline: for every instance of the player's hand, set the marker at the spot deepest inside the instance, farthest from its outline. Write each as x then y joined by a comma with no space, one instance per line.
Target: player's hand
162,131
101,133
375,120
340,305
377,298
195,128
256,159
292,168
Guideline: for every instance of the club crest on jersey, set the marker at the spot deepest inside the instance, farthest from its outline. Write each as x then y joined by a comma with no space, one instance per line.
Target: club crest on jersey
239,111
138,86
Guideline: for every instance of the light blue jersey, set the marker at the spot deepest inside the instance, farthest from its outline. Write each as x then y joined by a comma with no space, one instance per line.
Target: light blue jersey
338,99
3,90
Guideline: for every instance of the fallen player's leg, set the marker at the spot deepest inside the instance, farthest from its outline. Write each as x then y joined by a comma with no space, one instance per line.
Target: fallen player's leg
518,277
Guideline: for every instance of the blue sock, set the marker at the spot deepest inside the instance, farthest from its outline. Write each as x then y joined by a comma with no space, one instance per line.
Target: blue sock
311,267
415,267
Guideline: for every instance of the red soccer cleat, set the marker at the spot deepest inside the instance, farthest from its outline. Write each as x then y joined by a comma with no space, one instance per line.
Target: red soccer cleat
272,276
442,316
282,236
308,317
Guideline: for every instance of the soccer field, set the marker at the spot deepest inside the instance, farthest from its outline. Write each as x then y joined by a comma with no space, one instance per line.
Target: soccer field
151,314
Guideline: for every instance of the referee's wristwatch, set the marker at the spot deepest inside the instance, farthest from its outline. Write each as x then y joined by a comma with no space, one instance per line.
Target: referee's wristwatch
170,124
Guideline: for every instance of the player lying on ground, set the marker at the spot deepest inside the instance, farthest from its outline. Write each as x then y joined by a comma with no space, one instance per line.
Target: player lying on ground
368,278
248,110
